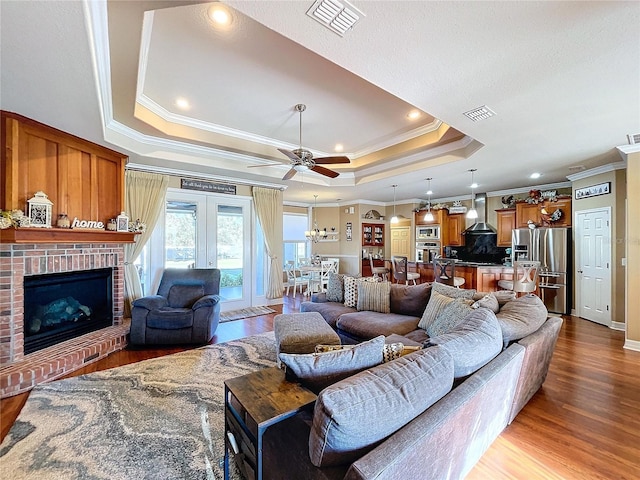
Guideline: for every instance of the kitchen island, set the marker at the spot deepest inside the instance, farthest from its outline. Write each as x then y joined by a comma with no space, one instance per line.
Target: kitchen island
483,277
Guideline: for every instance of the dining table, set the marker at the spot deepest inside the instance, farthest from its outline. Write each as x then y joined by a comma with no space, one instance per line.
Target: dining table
314,272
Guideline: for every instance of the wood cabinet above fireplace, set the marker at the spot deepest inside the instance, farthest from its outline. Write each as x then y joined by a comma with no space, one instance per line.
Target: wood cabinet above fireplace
81,178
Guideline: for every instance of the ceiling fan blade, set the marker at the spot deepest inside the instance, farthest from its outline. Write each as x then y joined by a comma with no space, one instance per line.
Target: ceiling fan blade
264,165
290,154
290,174
329,160
324,171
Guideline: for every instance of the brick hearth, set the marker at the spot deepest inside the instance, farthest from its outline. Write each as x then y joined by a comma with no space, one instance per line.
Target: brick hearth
19,372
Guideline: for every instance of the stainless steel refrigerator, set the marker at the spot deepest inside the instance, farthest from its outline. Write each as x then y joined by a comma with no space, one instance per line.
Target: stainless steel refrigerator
552,248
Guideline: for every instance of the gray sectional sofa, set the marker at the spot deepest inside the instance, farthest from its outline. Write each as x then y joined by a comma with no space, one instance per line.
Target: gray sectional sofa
394,421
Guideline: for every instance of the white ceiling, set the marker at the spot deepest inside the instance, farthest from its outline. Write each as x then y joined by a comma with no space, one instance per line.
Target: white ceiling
562,77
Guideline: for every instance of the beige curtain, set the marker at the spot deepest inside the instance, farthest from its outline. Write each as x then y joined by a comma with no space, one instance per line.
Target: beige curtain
144,200
268,204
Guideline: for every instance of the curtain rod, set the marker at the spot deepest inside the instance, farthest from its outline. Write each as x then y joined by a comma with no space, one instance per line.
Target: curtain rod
203,176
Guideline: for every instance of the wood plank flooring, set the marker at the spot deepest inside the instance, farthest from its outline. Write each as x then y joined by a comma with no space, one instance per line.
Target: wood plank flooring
584,423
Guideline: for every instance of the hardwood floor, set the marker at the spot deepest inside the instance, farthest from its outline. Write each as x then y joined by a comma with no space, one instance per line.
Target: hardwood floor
584,423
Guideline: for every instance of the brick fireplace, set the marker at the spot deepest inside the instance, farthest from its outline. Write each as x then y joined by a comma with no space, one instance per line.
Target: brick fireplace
20,372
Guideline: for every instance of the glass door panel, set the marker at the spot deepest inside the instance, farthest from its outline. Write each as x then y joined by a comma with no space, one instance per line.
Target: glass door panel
181,234
230,250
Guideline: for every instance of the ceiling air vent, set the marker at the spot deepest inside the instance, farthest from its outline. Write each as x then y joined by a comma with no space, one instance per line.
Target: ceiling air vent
480,113
577,168
634,138
339,17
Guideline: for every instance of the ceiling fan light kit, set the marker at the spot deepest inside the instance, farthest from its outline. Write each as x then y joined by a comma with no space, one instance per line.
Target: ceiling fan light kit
302,159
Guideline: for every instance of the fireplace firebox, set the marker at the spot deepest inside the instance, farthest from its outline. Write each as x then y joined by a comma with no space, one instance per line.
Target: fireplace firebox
61,306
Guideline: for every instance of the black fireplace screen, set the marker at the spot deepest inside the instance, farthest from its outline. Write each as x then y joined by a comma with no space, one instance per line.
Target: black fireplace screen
61,306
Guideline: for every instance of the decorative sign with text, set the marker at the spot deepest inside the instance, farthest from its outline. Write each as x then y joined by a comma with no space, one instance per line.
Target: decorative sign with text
207,186
87,224
594,190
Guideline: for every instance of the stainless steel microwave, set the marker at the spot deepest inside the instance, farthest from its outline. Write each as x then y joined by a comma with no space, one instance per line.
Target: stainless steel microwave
431,232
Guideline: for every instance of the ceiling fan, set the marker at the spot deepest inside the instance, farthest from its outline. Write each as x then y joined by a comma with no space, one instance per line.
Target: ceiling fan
302,159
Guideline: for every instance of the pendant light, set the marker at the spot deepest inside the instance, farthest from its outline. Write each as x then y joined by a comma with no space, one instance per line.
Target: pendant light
394,219
428,217
316,234
473,213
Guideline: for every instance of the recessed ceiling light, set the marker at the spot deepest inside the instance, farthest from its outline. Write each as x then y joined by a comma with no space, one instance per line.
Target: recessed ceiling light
339,147
413,114
182,103
220,15
429,192
535,175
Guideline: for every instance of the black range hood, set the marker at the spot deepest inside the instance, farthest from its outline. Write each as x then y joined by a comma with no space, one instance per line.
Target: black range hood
481,226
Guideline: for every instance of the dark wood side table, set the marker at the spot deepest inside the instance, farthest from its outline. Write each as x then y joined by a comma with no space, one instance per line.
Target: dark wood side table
253,403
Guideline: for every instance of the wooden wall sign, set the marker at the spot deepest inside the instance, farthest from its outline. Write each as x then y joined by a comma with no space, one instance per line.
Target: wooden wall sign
203,186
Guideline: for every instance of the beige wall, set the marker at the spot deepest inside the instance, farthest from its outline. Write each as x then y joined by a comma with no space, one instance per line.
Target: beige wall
633,249
616,201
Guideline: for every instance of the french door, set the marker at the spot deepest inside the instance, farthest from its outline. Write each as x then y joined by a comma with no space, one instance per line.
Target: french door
210,231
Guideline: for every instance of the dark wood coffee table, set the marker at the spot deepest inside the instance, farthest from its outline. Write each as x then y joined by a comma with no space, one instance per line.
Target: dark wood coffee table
253,403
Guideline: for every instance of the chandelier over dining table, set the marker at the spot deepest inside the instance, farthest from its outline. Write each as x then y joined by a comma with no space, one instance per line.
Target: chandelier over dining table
315,235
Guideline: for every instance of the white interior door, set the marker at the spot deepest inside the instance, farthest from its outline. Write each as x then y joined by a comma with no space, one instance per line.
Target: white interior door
593,254
401,241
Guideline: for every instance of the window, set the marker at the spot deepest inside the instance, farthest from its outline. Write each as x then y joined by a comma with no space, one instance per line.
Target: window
295,243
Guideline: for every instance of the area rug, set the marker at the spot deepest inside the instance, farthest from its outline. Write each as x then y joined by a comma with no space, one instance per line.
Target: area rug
156,419
244,313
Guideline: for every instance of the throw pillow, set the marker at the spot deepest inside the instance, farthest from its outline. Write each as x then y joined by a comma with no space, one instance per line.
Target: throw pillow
488,301
373,296
350,291
335,288
390,351
409,300
521,317
353,416
450,316
184,296
453,292
317,371
436,304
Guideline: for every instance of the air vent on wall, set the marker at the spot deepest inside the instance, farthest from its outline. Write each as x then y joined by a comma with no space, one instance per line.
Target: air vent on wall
480,113
634,138
339,17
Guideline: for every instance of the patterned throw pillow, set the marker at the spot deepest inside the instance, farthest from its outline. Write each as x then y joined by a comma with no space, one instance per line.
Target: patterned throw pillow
373,296
350,291
450,317
453,292
392,351
335,288
436,304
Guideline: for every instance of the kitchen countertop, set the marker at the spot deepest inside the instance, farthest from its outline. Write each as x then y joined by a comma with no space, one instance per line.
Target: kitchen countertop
473,264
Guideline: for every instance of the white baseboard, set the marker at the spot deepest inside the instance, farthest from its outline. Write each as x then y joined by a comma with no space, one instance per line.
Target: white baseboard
618,326
632,345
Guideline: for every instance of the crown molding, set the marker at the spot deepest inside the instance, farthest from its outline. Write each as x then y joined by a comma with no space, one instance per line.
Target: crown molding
610,167
515,191
626,150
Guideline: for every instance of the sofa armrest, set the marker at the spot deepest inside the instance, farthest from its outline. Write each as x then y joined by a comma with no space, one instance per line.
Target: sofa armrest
319,297
152,302
206,301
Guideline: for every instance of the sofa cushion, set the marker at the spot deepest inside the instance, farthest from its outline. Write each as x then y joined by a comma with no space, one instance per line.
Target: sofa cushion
502,296
371,324
472,343
373,296
521,317
330,311
353,416
184,296
437,303
319,370
450,316
453,292
335,287
488,301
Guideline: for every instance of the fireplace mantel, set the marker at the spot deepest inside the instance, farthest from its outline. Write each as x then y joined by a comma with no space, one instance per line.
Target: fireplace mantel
63,235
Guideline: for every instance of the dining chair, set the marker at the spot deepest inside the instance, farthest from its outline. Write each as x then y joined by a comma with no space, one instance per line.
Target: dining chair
444,270
294,278
326,267
400,270
379,273
525,276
